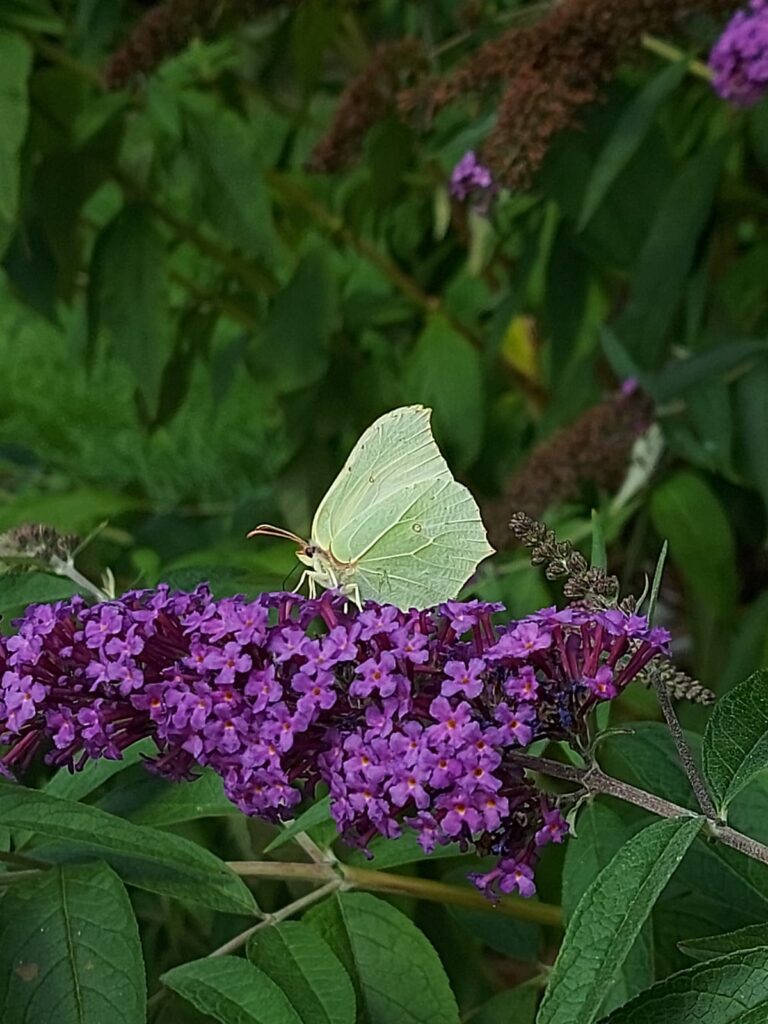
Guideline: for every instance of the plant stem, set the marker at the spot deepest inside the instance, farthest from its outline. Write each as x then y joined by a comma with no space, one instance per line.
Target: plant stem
63,567
11,877
695,778
460,896
279,915
24,862
58,55
406,885
267,921
673,53
594,781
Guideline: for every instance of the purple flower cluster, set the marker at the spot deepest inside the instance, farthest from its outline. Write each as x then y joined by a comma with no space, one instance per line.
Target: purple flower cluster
739,58
411,719
472,180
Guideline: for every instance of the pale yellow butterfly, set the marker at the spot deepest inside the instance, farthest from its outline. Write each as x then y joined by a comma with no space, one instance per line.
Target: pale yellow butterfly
395,526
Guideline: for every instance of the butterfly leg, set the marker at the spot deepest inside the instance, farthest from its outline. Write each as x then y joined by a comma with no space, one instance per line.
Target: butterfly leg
307,575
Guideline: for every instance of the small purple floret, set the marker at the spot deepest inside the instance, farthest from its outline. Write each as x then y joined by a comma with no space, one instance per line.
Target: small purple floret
472,180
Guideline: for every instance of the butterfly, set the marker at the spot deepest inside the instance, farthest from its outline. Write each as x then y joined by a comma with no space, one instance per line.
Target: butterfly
395,527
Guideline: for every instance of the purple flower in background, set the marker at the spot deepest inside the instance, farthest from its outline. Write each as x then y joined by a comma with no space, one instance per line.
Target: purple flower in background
472,180
410,719
739,58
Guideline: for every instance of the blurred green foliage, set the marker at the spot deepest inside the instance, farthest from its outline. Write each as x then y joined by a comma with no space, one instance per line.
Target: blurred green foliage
194,329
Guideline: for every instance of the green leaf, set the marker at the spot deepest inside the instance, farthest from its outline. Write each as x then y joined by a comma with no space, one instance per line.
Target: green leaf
709,946
736,741
149,800
303,965
658,575
599,557
397,973
232,991
667,256
318,814
229,164
32,16
729,990
752,426
19,590
14,111
294,345
514,1006
128,297
627,137
391,853
678,377
609,919
70,950
687,513
141,856
77,785
443,371
77,511
715,887
602,828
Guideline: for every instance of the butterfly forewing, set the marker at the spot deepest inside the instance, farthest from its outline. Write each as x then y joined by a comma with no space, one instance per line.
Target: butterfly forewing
410,534
395,460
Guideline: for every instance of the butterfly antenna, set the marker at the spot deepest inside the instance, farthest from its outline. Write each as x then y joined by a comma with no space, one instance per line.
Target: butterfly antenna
265,530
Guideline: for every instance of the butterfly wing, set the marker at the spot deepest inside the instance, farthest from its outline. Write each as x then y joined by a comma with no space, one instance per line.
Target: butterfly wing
411,534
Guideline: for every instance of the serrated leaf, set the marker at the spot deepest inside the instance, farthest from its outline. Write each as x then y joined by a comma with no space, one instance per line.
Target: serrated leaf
70,950
627,137
686,512
708,946
14,112
715,887
128,297
735,746
602,828
397,973
142,856
305,967
444,372
232,991
730,990
608,919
